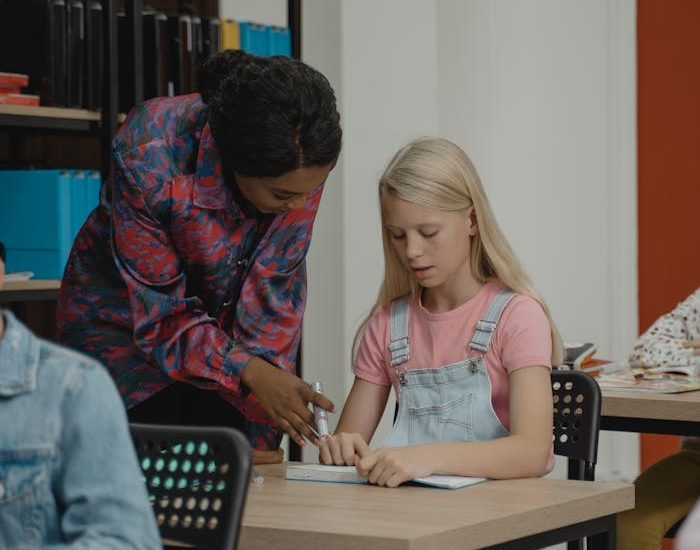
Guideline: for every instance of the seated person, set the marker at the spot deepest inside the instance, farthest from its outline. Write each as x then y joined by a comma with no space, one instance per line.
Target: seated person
667,490
457,331
69,476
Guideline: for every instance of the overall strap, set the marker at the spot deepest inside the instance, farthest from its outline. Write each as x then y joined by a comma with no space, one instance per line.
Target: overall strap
481,340
398,338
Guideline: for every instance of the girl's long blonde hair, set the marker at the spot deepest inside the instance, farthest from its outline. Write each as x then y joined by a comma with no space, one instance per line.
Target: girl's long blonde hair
436,173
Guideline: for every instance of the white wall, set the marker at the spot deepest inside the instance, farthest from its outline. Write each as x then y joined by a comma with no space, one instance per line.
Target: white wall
541,95
385,77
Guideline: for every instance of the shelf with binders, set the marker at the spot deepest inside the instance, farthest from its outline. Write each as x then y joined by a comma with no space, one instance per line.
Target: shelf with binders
30,290
51,118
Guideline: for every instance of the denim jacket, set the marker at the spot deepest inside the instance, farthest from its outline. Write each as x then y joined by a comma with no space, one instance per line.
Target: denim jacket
69,476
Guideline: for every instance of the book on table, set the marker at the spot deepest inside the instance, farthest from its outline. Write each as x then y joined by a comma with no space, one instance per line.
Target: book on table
348,474
648,380
577,353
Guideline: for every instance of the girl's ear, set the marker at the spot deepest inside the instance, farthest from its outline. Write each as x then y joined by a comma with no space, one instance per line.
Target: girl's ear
472,223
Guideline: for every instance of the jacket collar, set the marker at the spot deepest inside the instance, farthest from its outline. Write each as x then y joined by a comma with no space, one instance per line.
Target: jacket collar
210,188
19,358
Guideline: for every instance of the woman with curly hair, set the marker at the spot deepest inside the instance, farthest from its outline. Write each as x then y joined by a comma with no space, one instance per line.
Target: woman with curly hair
188,281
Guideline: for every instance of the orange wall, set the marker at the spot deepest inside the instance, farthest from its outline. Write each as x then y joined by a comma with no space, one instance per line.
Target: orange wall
668,116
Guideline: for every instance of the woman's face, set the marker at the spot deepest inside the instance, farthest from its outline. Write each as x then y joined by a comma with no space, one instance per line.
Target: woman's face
282,193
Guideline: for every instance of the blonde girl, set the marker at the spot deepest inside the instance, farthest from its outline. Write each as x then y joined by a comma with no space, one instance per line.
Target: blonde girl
459,332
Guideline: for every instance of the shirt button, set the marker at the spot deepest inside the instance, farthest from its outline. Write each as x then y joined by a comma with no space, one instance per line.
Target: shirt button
242,262
227,303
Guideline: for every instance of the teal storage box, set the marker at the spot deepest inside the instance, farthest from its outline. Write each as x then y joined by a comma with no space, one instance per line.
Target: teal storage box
41,211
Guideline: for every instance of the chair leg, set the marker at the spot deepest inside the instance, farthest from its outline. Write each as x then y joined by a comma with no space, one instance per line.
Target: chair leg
575,469
575,544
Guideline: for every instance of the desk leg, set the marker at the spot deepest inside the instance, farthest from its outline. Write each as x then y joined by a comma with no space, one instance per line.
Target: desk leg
607,540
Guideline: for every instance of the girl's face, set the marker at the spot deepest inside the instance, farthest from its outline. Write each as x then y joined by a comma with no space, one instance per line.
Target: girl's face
282,193
433,244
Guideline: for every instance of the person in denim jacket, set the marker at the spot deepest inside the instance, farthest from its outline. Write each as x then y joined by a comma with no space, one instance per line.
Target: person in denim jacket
69,476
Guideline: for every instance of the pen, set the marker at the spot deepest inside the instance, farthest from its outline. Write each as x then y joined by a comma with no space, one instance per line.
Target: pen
321,416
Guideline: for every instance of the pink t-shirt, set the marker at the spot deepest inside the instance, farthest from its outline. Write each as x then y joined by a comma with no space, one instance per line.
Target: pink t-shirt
522,339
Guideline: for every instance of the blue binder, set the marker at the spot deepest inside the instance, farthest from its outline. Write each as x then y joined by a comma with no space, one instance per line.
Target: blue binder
280,41
41,212
254,38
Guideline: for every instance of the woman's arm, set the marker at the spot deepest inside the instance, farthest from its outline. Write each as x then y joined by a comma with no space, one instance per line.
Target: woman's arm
175,331
361,414
524,453
665,342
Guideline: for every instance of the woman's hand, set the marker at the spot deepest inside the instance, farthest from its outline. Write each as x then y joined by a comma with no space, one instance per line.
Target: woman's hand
285,397
343,449
392,466
694,345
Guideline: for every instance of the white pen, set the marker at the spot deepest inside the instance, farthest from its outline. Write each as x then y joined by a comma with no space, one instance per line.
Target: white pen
321,416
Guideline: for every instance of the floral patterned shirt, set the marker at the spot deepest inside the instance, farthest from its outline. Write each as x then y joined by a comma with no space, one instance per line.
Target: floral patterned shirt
662,344
176,277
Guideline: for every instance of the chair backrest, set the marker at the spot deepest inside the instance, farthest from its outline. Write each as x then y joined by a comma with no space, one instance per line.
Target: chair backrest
577,403
197,480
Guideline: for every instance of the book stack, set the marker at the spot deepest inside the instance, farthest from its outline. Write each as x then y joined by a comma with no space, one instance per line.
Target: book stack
11,85
578,354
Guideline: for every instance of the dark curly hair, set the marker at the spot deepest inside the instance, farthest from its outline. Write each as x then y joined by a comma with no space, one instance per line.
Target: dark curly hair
269,115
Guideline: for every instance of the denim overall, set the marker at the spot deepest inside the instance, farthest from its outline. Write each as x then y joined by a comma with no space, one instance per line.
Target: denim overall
450,403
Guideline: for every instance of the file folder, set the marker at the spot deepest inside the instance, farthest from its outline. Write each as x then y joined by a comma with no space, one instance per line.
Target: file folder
75,48
35,223
211,36
230,35
280,41
254,38
155,55
94,45
42,214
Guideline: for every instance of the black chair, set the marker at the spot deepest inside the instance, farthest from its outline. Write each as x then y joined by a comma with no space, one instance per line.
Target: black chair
577,402
197,480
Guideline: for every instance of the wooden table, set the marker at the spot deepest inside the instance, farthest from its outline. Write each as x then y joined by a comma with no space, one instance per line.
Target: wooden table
523,513
646,412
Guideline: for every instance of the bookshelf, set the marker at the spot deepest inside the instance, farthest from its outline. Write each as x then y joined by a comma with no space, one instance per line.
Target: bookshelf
49,118
79,138
29,291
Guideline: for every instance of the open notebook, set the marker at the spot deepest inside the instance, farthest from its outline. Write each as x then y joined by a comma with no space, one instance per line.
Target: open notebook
348,474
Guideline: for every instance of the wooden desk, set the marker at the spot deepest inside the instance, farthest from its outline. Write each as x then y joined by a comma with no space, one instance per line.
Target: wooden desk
524,513
673,413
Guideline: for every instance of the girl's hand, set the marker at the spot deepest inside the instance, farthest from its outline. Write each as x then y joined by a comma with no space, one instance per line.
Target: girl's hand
694,344
392,466
343,449
285,398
